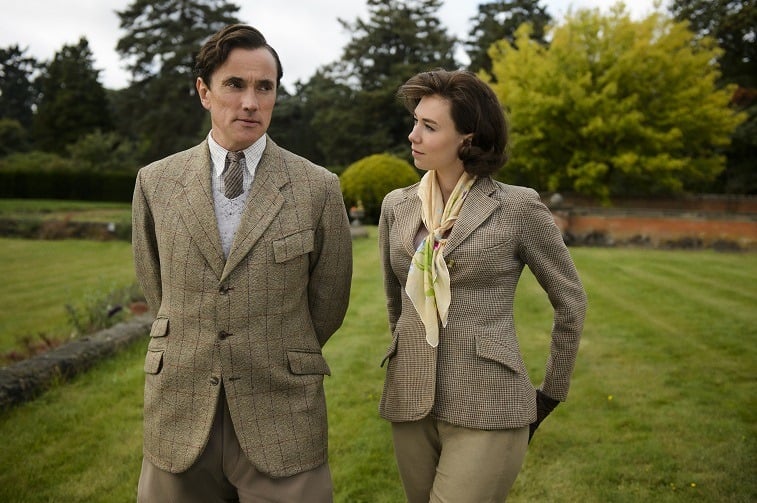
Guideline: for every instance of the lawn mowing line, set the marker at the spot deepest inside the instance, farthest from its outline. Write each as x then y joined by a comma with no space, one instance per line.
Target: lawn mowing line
728,307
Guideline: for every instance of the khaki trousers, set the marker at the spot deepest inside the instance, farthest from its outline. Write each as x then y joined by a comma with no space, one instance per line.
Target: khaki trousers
223,473
442,463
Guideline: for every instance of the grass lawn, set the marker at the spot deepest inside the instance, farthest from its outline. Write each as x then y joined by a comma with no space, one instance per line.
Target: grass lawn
662,407
40,277
81,211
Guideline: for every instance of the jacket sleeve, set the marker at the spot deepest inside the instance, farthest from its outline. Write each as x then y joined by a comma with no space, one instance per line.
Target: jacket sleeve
331,268
392,286
145,246
544,251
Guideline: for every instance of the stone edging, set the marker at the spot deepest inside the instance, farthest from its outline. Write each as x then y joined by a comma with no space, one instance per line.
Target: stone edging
26,379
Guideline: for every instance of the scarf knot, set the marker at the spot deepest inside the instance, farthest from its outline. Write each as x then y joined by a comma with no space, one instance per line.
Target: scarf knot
428,284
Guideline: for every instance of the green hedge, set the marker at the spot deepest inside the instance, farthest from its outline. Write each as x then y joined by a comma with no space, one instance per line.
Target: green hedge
65,184
368,180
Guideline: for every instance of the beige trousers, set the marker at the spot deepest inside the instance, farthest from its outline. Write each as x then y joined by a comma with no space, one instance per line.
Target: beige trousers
442,463
223,473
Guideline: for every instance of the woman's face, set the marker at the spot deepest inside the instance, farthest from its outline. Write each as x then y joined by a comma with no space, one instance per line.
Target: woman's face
434,140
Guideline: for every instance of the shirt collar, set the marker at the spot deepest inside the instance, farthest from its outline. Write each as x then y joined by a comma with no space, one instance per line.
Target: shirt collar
252,155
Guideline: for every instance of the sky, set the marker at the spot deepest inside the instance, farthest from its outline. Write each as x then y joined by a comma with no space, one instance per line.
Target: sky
305,33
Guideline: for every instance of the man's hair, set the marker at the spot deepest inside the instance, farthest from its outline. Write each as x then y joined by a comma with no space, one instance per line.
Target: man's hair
475,110
215,51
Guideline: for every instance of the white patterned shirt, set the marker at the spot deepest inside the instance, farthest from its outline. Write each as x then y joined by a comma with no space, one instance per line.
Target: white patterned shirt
229,211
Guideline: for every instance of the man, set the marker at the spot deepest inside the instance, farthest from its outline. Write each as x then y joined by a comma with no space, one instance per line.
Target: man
247,264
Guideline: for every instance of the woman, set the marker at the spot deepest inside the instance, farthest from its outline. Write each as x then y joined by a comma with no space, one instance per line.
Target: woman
453,246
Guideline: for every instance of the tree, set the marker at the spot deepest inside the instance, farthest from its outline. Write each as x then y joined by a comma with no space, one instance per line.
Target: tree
499,20
399,39
361,115
13,137
614,107
17,91
732,23
99,151
160,45
73,102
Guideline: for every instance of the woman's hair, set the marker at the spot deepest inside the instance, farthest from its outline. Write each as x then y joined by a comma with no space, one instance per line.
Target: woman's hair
475,110
215,51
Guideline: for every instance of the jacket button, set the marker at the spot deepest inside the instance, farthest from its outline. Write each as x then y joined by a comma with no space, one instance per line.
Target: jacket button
224,289
223,334
214,381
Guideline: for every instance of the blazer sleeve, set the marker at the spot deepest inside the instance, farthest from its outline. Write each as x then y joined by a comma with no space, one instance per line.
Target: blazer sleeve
145,246
545,253
331,268
392,285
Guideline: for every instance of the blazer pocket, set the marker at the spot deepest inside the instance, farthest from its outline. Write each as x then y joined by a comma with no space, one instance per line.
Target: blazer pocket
501,353
391,351
304,362
293,245
158,332
153,362
159,327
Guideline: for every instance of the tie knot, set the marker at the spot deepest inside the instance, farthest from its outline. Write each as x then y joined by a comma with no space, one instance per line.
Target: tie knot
235,156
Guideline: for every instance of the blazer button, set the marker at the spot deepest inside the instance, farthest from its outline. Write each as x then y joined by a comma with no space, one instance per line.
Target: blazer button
224,334
224,289
214,381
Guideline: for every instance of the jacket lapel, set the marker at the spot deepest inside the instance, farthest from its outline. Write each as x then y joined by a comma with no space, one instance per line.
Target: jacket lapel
407,214
263,204
200,212
476,209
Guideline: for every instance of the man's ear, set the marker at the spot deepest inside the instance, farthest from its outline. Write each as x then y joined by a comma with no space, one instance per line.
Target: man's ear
202,92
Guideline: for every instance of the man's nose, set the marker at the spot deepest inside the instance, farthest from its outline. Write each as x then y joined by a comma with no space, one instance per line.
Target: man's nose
250,100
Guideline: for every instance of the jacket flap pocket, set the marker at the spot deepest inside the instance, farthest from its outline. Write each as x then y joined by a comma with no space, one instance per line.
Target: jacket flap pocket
391,350
159,327
500,353
293,245
307,362
153,362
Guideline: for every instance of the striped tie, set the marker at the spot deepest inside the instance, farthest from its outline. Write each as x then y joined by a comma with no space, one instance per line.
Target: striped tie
233,177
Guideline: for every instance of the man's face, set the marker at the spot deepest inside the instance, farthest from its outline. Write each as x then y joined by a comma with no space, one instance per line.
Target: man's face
240,97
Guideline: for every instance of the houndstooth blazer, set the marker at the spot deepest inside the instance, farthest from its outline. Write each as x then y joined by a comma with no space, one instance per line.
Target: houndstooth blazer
476,377
255,322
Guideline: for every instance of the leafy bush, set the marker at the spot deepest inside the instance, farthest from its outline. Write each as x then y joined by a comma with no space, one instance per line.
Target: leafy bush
13,137
371,178
35,161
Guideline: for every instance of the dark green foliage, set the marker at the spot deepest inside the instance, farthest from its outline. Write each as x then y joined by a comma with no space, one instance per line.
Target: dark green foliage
100,151
732,23
13,137
499,20
368,180
161,41
44,175
354,105
73,101
399,39
17,90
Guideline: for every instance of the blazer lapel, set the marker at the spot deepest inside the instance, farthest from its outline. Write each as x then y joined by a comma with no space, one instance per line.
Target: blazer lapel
408,218
200,212
476,209
263,204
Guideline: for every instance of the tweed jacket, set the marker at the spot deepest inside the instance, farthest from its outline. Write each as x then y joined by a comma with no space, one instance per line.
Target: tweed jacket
254,322
476,376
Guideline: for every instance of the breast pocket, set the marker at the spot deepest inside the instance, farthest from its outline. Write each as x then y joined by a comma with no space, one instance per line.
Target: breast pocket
293,245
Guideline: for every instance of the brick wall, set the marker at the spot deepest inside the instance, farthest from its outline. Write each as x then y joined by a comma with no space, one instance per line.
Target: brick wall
720,222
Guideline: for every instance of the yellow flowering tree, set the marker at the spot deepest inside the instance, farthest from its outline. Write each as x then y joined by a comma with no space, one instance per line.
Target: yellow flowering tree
613,106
